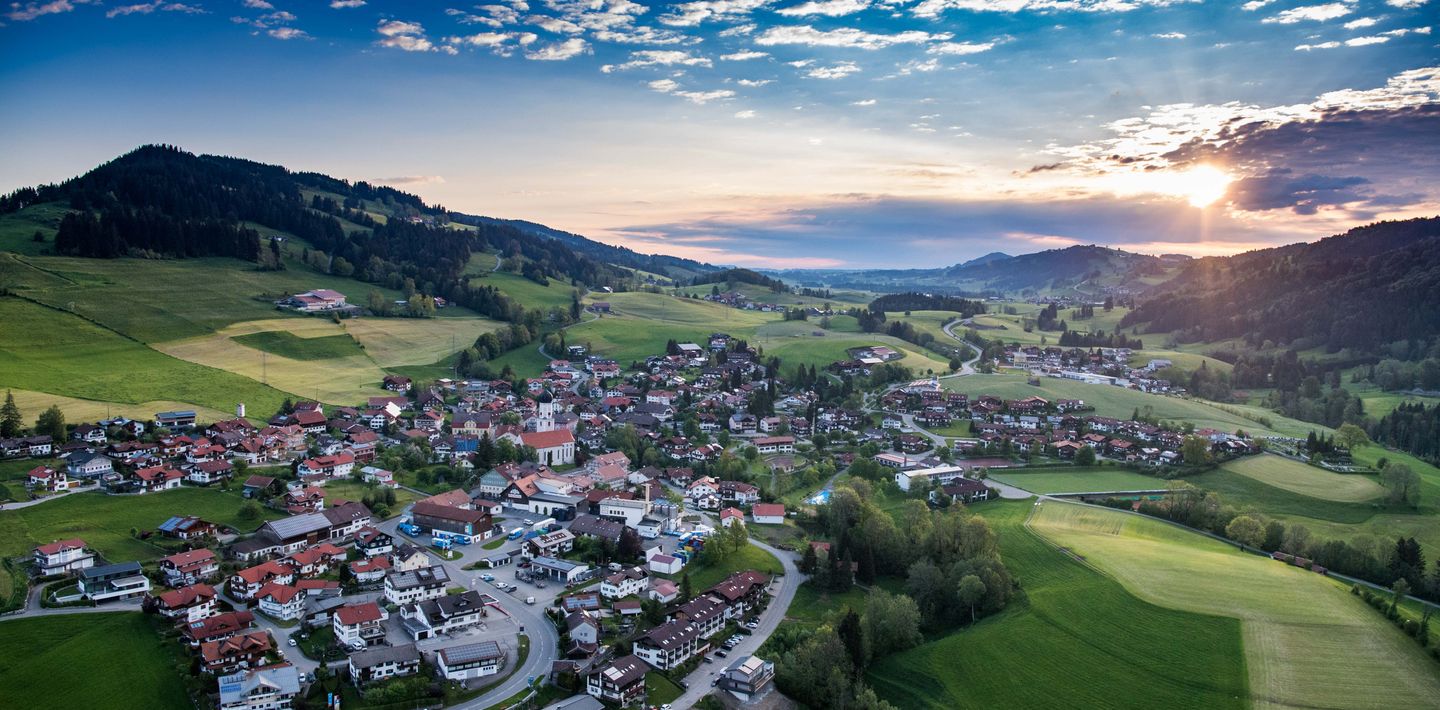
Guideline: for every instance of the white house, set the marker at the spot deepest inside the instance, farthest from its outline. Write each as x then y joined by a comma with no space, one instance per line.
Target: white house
63,556
409,587
626,582
471,660
768,513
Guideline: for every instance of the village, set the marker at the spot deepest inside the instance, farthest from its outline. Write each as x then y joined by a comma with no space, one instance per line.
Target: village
542,519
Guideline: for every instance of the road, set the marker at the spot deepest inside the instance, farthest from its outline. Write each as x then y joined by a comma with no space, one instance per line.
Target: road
46,499
700,680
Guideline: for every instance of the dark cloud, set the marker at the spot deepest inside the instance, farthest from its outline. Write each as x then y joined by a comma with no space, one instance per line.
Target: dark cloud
1362,158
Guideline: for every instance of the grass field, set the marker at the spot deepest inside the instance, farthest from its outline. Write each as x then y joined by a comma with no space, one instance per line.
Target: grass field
349,490
1307,642
530,294
1079,480
397,342
1119,402
125,663
104,521
49,351
1307,480
750,557
287,344
660,690
1075,638
84,410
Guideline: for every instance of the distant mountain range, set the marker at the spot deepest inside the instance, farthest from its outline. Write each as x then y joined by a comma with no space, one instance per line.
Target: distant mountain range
671,266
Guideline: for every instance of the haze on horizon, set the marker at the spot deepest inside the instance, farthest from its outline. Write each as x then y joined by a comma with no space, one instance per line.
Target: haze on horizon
792,133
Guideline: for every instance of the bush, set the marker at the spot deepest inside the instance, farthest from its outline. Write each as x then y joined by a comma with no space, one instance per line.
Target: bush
1411,627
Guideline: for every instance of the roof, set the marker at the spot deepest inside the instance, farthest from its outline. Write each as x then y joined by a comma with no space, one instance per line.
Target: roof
298,525
448,512
185,559
352,614
547,439
385,654
470,652
59,546
767,510
284,680
625,670
424,577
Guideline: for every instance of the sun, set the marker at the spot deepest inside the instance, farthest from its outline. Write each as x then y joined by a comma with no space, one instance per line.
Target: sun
1201,185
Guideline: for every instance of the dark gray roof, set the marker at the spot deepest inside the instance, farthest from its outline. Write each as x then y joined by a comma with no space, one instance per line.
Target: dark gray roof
385,654
471,652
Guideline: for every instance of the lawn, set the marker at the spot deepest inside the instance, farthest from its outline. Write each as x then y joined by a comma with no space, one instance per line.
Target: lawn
1120,402
1079,480
350,490
1307,641
1307,480
660,690
1075,638
530,294
54,352
813,604
287,344
104,521
125,663
703,576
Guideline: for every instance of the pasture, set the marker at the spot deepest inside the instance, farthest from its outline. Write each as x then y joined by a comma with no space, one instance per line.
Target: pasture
287,344
530,294
1307,641
1079,480
126,665
77,410
60,353
1075,638
1307,480
105,521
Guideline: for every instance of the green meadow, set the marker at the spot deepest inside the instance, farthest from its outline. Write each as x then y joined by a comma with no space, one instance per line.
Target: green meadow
111,660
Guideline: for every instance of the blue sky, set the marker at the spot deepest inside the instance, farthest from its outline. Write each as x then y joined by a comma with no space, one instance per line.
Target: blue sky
827,133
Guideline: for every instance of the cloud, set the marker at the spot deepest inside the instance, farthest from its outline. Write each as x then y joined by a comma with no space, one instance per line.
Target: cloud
747,113
664,86
960,48
32,10
1405,4
934,8
864,102
834,71
754,82
1360,22
825,8
660,58
916,65
410,180
1305,194
742,56
559,51
704,97
149,7
1169,35
258,5
690,14
346,4
808,36
287,33
1310,13
409,37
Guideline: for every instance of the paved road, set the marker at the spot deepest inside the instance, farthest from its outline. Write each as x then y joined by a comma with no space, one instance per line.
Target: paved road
700,680
46,499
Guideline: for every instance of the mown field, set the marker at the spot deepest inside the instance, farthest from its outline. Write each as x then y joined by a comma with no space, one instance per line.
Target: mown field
287,344
1307,641
1079,480
111,660
49,351
105,521
1076,638
750,557
557,294
1121,403
1307,480
31,403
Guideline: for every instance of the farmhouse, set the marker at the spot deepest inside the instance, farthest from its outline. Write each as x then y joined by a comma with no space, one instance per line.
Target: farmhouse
320,299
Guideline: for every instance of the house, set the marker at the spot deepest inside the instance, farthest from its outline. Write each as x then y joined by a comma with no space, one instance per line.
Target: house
747,676
650,528
408,558
89,465
731,516
272,688
768,513
215,628
396,383
621,681
670,644
552,448
189,567
560,570
381,663
450,521
471,660
187,527
334,466
158,478
738,492
596,527
663,590
416,585
48,479
179,419
583,627
665,564
208,472
370,570
320,299
63,556
358,626
965,490
188,604
118,581
625,510
775,444
550,544
246,650
443,615
373,542
627,582
282,602
257,485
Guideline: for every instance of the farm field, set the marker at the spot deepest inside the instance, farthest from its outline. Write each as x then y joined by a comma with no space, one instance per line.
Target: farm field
932,322
125,663
287,344
104,521
1307,480
527,292
31,403
1075,635
1308,642
60,353
1119,402
1079,480
398,342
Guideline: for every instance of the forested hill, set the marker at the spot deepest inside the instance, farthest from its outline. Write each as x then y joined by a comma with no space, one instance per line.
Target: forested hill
162,201
670,266
1374,289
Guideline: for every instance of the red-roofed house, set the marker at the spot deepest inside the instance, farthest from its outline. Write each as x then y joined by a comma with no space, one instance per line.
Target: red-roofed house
731,516
189,604
158,478
768,513
359,625
281,601
63,556
334,466
189,567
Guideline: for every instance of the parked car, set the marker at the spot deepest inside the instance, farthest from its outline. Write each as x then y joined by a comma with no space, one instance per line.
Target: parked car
293,642
721,654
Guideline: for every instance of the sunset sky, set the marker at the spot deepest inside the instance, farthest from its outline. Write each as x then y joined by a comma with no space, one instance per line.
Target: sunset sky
793,133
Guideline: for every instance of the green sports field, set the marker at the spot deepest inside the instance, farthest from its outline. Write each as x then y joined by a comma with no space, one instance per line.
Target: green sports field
1307,480
1079,480
1307,641
1075,638
105,521
118,661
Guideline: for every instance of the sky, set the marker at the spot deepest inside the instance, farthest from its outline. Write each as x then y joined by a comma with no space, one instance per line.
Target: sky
782,134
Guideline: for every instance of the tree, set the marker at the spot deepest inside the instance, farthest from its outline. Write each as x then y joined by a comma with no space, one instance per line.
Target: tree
1402,483
971,592
892,624
10,419
248,511
1351,436
1085,456
1196,451
687,592
853,637
1399,591
1246,530
809,562
52,422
